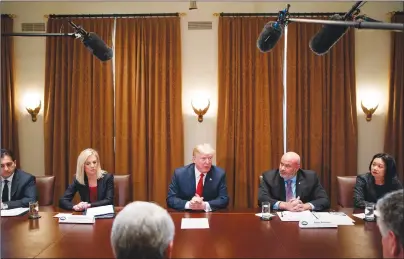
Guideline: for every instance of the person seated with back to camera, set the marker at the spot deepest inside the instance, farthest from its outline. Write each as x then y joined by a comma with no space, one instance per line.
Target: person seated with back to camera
291,188
95,186
380,180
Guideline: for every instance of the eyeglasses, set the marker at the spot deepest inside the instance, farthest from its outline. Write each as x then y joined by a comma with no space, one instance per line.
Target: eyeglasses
9,164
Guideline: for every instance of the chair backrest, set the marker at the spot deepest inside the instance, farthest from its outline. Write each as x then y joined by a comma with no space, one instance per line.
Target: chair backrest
45,186
346,186
122,193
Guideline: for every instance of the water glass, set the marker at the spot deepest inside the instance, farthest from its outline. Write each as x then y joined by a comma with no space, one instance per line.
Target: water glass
33,210
370,211
266,210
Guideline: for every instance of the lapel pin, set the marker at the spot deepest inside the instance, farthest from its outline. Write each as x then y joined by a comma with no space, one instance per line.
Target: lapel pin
299,182
210,179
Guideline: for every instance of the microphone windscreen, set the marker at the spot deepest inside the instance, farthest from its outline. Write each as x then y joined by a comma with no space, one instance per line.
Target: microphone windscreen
327,36
97,46
270,35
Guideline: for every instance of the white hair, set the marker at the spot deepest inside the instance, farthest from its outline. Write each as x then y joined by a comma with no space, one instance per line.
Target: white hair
142,230
205,149
390,214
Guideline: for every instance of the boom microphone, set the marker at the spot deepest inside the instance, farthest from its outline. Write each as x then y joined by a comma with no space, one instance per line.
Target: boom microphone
328,35
94,43
273,31
270,35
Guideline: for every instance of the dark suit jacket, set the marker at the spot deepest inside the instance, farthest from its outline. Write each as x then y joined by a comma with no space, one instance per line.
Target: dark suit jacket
105,193
308,187
364,190
183,187
23,190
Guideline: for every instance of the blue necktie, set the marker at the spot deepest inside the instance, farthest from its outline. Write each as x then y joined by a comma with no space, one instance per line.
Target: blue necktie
289,192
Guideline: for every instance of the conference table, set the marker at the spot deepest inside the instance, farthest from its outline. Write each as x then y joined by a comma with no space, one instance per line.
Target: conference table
231,234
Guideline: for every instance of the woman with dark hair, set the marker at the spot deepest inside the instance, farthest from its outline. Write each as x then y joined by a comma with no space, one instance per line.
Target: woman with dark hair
381,179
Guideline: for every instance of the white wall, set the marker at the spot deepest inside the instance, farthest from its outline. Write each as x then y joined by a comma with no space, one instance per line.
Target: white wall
199,53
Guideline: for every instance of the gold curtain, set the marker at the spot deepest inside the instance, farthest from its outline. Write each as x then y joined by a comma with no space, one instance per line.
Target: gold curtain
79,102
9,128
321,105
249,123
149,124
394,139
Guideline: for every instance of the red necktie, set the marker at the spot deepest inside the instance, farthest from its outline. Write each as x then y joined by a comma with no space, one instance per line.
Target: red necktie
199,188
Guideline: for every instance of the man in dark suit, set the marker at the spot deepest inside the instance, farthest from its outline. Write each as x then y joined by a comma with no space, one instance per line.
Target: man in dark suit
291,188
200,185
18,187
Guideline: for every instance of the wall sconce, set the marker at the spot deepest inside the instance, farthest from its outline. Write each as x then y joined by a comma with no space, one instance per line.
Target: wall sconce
200,112
34,111
369,111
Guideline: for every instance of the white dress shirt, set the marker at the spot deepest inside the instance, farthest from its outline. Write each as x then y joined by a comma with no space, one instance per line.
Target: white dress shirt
197,177
9,179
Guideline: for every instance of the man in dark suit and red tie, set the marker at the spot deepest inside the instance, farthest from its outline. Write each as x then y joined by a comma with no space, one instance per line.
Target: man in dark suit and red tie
200,185
291,188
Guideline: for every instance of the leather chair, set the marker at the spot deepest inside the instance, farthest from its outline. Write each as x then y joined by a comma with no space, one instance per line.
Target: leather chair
122,190
346,186
45,189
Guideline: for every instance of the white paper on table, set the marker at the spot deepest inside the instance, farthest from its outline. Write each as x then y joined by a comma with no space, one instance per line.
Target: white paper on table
13,212
359,215
194,223
295,216
101,210
338,218
62,215
260,215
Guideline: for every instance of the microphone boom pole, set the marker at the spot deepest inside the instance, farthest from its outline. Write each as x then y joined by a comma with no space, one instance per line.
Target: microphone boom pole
39,34
358,25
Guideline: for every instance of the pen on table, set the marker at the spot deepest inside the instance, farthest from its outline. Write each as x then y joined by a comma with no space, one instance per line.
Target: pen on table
281,213
314,215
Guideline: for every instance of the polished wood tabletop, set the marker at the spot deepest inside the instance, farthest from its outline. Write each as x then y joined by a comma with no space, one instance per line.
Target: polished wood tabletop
231,234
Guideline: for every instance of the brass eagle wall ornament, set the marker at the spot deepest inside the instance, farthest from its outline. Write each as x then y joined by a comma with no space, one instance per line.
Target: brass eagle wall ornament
368,112
200,112
34,112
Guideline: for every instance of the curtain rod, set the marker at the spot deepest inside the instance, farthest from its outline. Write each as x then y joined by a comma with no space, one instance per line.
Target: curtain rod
275,14
113,15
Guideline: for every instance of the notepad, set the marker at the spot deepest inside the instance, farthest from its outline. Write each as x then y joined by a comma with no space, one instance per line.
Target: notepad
194,223
14,212
294,216
62,215
106,211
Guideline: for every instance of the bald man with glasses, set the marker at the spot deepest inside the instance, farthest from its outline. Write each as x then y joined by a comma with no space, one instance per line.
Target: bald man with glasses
17,187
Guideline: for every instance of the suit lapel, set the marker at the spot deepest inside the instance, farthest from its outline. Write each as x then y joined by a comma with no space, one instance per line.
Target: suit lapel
282,187
99,188
14,184
192,179
208,182
299,181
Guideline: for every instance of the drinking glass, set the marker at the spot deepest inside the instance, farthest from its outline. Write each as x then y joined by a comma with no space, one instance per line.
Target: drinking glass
266,210
33,210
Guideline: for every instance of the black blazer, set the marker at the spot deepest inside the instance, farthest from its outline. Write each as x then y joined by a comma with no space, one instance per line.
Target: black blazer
183,186
105,193
23,190
364,190
308,187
